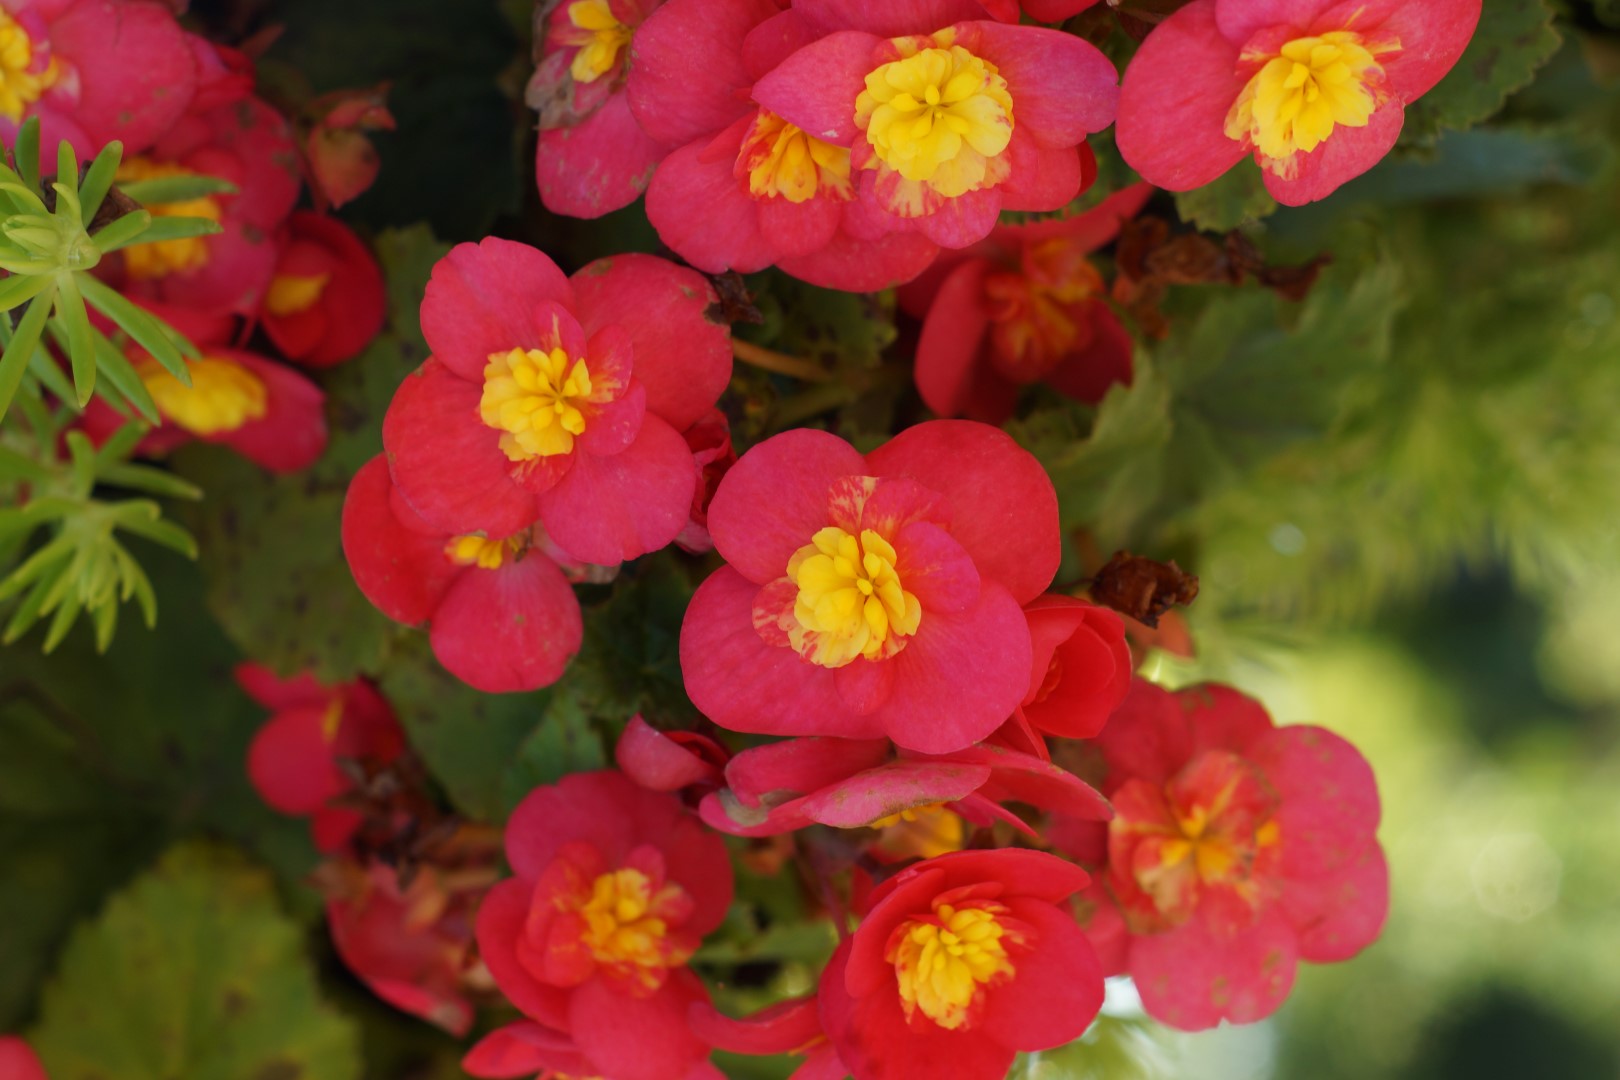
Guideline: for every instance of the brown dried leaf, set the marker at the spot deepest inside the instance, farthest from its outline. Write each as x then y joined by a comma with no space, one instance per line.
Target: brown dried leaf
1141,588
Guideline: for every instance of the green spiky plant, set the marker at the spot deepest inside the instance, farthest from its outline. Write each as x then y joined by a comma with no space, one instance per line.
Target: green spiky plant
54,231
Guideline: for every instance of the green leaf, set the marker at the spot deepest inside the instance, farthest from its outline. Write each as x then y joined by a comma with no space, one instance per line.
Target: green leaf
123,231
1608,12
20,349
21,288
98,180
163,228
167,346
27,153
1236,198
81,344
1515,37
563,742
467,739
173,189
210,981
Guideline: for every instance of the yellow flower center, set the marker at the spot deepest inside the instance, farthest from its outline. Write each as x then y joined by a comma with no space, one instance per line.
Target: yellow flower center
921,832
223,395
478,551
938,116
20,85
780,159
851,603
1316,83
160,258
942,962
537,400
292,294
600,37
623,929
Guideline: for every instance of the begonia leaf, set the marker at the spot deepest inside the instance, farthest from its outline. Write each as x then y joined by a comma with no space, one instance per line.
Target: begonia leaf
1238,198
1515,37
209,980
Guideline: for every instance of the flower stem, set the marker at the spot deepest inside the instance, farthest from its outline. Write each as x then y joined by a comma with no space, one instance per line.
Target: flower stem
780,363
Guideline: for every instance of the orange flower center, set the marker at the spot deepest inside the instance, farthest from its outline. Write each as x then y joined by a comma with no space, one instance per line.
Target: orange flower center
944,961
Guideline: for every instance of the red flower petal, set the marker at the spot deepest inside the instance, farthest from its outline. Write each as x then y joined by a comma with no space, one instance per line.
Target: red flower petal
659,763
1063,88
1004,510
1056,989
290,762
1344,155
888,789
776,497
1433,36
523,1049
1042,179
682,355
1174,100
635,1038
962,221
608,510
952,374
1084,647
508,630
292,433
1018,777
743,684
892,18
1239,20
118,99
1055,10
587,807
1337,917
703,213
816,87
404,573
933,566
783,1028
273,692
1106,362
352,303
855,265
18,1060
959,677
1192,978
1329,810
801,766
687,78
481,299
501,919
598,165
446,463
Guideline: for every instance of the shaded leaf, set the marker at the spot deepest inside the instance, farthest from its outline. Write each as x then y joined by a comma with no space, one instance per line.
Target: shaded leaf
1515,37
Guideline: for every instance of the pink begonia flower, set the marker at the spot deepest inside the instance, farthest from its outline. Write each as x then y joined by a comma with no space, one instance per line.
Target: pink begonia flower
1315,90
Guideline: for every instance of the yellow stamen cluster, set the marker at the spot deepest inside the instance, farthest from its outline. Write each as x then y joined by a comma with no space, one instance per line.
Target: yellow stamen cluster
537,399
223,395
20,85
780,159
941,964
623,928
293,294
1314,84
160,258
938,116
851,603
472,550
601,39
922,831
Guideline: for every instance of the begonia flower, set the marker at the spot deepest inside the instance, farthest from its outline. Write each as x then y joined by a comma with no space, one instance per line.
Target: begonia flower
742,188
264,410
593,157
343,163
501,616
410,940
1082,666
558,399
1315,90
526,1048
93,71
873,596
1024,306
713,456
850,784
247,144
960,963
326,299
615,887
949,118
1237,850
295,759
18,1060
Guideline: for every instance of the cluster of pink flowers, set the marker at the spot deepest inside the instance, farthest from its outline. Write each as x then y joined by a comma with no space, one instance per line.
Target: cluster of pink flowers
187,109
